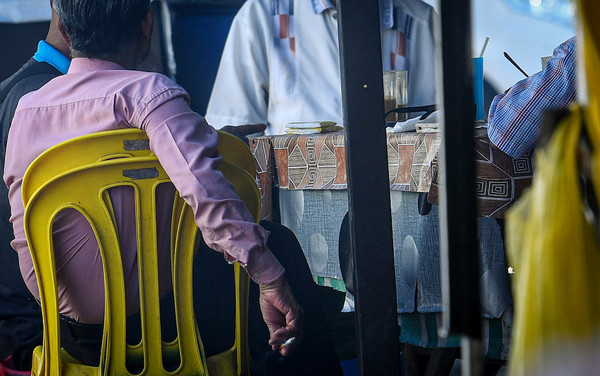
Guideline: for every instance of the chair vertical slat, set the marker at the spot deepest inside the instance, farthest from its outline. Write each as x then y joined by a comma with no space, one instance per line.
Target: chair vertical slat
148,271
115,313
182,269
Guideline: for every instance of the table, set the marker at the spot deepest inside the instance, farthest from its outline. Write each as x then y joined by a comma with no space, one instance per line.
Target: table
309,172
318,162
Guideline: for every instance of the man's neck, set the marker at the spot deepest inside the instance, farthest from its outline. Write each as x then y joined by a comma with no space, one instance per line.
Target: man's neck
60,46
55,38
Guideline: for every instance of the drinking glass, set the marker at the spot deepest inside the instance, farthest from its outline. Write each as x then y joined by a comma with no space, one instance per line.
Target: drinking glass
395,93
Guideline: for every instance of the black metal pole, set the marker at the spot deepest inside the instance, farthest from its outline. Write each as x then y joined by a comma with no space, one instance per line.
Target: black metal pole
368,186
458,207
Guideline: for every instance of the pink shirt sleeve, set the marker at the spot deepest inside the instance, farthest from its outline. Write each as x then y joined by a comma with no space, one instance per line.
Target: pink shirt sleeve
187,148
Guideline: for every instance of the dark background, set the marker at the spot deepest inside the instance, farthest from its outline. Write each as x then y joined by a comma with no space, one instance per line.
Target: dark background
18,43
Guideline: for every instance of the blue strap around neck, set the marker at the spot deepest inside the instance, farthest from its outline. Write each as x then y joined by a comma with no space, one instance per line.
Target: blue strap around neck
47,53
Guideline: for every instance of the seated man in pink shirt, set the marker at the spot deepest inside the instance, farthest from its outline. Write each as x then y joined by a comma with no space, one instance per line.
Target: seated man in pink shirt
101,91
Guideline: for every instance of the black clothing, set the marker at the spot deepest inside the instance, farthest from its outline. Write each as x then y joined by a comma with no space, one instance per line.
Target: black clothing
20,315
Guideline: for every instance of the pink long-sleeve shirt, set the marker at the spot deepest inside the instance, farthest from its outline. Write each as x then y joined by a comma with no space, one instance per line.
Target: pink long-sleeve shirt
97,95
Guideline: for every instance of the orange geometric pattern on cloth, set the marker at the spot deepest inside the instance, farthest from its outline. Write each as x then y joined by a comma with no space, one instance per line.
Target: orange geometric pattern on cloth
400,47
284,26
318,162
263,156
283,16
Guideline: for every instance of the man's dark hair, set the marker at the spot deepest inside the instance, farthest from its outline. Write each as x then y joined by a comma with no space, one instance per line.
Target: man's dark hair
98,28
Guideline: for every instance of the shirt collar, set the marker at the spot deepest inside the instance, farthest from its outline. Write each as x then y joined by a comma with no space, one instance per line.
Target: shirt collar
320,6
83,64
47,53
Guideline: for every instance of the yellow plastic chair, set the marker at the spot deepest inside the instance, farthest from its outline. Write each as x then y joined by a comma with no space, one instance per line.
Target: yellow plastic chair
85,188
119,143
236,152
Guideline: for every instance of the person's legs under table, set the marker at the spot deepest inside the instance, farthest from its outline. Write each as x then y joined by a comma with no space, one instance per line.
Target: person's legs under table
316,354
213,292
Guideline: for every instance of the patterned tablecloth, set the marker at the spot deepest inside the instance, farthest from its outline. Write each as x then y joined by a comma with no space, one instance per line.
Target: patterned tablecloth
500,179
318,162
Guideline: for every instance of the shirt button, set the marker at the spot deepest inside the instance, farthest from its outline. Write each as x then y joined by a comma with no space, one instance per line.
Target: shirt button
256,274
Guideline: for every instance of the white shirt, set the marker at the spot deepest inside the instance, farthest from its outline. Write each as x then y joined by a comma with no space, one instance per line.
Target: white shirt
274,74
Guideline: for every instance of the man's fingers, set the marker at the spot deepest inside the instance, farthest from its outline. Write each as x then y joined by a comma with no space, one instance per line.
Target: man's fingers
284,341
282,314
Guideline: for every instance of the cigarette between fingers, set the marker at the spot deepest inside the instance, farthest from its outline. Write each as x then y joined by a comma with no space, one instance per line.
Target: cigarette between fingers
287,343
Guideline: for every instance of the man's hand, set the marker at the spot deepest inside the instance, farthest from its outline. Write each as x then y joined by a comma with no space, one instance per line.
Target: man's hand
282,314
242,131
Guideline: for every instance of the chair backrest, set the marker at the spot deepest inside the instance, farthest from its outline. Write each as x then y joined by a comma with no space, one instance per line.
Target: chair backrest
234,151
81,182
119,143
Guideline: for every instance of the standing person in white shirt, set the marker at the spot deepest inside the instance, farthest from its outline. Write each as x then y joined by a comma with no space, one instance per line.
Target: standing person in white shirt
281,61
281,64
